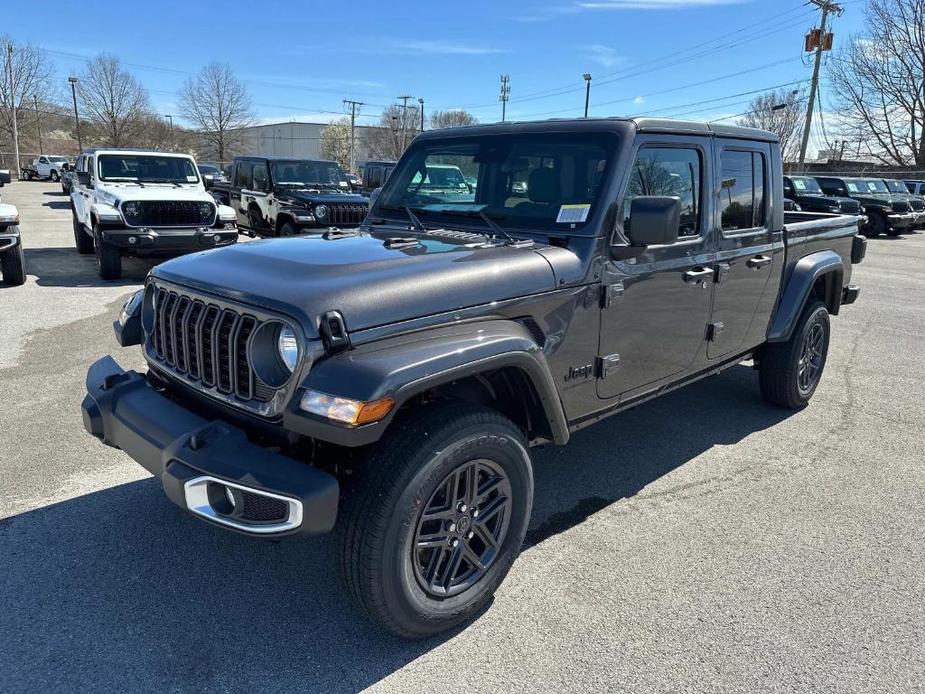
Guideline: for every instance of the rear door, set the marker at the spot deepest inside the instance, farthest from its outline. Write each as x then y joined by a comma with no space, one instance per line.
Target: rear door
243,173
80,195
746,258
657,306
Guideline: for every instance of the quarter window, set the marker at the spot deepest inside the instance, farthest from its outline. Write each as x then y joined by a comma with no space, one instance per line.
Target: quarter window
260,177
669,171
743,190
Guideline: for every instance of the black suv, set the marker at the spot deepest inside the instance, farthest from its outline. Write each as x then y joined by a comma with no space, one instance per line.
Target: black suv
805,192
276,196
886,214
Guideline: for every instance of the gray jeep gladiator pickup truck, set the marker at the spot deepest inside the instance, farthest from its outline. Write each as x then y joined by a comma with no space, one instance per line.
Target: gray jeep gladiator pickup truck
389,381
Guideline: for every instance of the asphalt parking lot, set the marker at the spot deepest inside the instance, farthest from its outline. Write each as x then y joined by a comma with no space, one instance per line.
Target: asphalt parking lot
702,542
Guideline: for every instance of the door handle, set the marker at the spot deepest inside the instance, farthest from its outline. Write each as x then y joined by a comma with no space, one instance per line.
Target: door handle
698,275
758,261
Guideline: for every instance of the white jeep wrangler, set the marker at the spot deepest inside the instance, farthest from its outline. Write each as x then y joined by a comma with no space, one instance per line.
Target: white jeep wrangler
12,262
144,203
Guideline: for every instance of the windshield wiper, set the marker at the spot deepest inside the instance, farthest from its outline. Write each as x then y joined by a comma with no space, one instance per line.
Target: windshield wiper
498,229
415,222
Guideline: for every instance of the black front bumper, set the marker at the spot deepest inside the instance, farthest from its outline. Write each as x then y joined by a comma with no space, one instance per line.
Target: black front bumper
125,411
144,240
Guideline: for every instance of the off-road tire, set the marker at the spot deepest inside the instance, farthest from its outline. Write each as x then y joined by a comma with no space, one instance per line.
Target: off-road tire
380,518
780,365
108,257
55,177
82,240
288,229
876,225
13,265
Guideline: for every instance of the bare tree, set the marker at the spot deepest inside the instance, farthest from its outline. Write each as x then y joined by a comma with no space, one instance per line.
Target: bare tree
218,105
335,142
878,81
452,119
397,127
32,79
113,101
782,112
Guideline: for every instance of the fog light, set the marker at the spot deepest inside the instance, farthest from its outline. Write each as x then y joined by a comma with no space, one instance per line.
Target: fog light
345,410
216,238
132,240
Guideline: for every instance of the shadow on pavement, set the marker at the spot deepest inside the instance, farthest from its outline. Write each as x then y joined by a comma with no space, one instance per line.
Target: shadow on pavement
65,267
120,590
56,193
58,204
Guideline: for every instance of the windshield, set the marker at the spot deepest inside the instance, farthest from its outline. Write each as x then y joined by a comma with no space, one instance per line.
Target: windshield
147,168
853,186
57,158
807,185
307,173
875,186
208,169
548,181
896,187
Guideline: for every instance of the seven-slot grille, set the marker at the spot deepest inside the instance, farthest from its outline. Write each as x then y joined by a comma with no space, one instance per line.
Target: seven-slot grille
850,206
347,213
917,205
206,344
169,213
900,206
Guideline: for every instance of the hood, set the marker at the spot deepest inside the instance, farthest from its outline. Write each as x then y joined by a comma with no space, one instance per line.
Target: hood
325,196
370,283
155,191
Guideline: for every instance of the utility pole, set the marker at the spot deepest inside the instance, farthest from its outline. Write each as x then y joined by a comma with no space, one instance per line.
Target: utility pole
354,109
170,119
821,41
73,81
404,117
9,66
38,122
505,94
421,102
587,78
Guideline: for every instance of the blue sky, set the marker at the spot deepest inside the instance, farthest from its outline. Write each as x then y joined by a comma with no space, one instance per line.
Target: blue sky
677,58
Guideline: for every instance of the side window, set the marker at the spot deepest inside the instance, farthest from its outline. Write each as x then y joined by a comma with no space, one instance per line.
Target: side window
261,182
89,169
788,188
43,160
742,191
242,174
374,178
672,171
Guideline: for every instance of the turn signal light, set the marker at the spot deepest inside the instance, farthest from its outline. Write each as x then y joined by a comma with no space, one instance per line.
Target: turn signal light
345,410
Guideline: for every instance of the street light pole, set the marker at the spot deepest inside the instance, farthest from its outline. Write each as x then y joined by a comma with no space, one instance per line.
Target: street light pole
421,102
9,65
587,79
73,81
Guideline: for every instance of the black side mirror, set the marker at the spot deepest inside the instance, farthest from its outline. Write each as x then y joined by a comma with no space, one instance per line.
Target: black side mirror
655,220
83,177
4,176
208,180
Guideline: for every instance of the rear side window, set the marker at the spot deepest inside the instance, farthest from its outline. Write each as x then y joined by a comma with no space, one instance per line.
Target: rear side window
672,171
260,177
242,174
742,193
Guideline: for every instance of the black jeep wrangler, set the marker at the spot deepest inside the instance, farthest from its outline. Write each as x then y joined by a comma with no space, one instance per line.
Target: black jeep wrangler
389,381
281,197
886,214
806,192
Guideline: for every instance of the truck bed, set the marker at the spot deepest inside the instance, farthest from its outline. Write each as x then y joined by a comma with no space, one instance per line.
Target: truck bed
812,232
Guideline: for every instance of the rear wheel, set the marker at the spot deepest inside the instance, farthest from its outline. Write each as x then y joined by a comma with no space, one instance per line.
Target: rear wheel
13,265
436,518
876,225
790,371
55,177
108,257
82,240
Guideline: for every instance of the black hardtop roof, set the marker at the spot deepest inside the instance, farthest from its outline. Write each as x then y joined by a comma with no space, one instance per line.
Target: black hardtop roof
618,125
276,157
846,178
381,162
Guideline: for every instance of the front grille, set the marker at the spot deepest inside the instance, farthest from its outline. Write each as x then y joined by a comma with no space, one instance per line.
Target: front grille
207,345
168,213
850,206
917,205
900,206
347,214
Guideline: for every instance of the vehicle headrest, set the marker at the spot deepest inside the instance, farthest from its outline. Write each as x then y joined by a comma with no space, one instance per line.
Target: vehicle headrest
543,186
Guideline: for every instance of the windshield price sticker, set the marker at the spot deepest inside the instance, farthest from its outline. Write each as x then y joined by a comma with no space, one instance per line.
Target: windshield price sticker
573,214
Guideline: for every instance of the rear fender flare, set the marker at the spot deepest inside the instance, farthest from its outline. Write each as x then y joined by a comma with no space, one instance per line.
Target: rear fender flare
806,273
405,366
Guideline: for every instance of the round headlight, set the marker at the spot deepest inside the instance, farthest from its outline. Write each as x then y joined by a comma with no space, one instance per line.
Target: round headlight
288,347
321,211
131,209
205,211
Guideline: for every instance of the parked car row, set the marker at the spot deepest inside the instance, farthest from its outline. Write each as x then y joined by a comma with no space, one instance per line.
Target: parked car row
889,206
12,261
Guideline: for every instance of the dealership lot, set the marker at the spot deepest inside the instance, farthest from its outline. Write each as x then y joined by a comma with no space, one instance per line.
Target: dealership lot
702,538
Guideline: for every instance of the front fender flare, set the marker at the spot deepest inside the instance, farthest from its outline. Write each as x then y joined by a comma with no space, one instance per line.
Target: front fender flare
799,285
407,365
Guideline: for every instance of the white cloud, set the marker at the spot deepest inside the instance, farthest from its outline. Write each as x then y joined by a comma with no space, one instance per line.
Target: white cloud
415,47
639,100
603,55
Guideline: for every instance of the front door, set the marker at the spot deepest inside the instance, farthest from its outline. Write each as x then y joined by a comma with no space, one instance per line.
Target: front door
240,184
746,257
657,306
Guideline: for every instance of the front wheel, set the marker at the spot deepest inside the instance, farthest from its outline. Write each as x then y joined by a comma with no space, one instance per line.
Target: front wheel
13,265
82,240
108,257
436,518
55,177
790,371
288,229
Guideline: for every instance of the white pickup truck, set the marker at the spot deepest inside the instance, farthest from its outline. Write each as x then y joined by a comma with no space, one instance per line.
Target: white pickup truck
12,263
144,203
47,166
